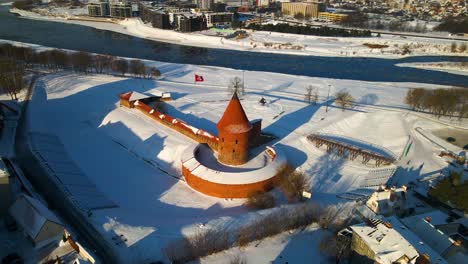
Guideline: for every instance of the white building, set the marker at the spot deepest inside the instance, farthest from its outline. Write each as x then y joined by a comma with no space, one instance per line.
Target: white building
388,201
388,241
39,223
263,3
378,241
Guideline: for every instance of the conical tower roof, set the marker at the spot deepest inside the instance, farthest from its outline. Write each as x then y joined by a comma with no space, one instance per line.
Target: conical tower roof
234,119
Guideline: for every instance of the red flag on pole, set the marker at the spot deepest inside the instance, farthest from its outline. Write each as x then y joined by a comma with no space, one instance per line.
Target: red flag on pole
198,78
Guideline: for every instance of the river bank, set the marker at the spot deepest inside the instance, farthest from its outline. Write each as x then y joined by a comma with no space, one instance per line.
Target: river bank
260,41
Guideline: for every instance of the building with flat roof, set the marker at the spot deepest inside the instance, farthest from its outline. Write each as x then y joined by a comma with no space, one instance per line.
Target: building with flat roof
307,9
218,19
99,9
190,22
120,10
331,17
158,17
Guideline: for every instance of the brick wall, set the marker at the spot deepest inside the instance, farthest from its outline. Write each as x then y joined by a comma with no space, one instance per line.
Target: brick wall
226,190
180,126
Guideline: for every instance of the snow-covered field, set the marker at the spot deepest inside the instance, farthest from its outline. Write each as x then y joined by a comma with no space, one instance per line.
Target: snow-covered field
261,41
135,161
450,67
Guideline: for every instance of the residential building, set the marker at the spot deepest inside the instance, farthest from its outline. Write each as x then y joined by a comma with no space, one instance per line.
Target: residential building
205,4
120,10
218,19
377,241
99,9
39,224
331,17
449,240
388,201
189,22
156,16
307,9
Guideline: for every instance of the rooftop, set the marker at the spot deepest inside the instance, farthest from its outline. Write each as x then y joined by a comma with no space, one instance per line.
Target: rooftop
387,243
234,118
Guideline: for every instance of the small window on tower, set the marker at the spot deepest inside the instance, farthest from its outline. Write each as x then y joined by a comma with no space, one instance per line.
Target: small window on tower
233,151
222,139
236,141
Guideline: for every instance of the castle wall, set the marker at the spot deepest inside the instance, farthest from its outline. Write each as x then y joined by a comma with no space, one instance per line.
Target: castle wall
226,190
180,126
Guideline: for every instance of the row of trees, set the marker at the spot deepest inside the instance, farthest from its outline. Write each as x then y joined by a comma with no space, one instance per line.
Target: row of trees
11,77
440,102
454,25
15,61
81,62
307,30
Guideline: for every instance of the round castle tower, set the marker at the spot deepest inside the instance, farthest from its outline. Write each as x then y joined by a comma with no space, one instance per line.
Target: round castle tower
234,131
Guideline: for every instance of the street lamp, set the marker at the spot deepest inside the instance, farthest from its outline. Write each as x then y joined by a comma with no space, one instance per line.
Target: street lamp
328,98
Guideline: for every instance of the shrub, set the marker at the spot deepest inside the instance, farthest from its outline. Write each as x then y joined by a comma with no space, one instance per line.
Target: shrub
344,99
201,244
260,200
292,183
238,259
451,139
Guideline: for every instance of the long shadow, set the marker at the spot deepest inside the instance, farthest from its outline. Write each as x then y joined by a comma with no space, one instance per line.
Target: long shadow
202,123
138,185
302,247
326,171
289,122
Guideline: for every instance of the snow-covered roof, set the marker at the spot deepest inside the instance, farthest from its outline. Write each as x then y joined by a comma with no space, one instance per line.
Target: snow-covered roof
416,241
436,218
428,233
387,243
190,161
31,215
138,96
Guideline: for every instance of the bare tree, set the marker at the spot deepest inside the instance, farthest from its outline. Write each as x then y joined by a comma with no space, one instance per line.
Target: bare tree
155,72
236,85
344,99
315,96
308,94
414,98
81,61
137,68
101,63
120,66
60,58
311,95
12,77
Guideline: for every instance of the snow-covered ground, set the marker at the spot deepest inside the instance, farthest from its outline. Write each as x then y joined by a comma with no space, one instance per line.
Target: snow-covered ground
450,67
260,41
135,161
